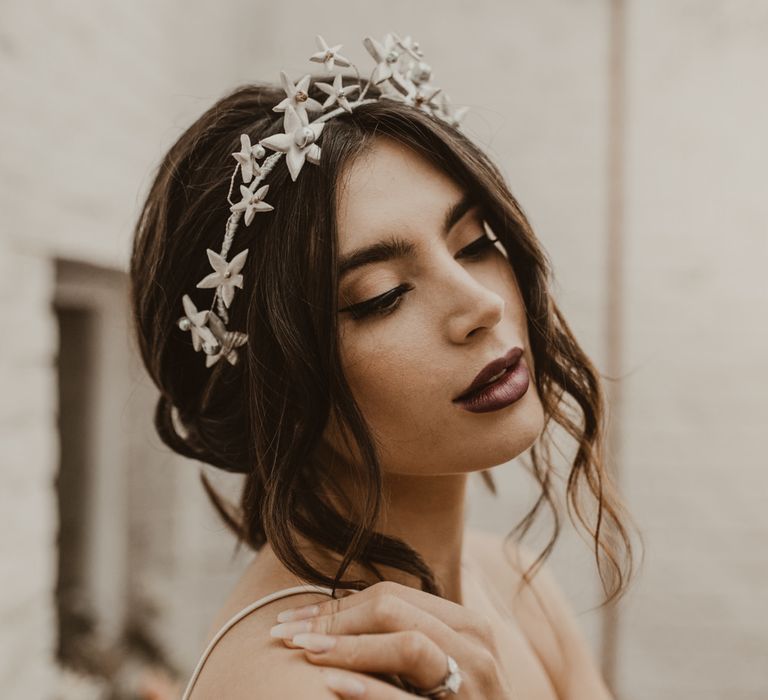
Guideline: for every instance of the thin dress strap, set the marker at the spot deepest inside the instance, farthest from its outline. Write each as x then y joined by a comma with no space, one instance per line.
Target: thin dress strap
283,593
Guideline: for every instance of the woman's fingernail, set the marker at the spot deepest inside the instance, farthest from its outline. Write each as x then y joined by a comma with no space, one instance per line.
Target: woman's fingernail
346,685
298,613
314,642
286,630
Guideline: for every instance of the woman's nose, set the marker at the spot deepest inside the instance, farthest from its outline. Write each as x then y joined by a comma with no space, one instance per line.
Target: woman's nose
473,305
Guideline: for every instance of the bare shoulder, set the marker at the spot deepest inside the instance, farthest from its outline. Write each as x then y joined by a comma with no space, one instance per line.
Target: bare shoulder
247,662
544,614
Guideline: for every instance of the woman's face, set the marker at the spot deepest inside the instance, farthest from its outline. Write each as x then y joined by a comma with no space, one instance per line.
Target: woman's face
406,364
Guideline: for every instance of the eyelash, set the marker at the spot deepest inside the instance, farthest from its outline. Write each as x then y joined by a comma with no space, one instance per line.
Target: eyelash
386,303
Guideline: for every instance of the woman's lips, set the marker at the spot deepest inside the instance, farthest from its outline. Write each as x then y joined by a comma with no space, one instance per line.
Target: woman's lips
507,389
492,370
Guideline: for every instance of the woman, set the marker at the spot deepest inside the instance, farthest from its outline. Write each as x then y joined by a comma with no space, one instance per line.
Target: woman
390,272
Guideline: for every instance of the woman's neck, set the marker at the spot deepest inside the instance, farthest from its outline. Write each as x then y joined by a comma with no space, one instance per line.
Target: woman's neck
426,512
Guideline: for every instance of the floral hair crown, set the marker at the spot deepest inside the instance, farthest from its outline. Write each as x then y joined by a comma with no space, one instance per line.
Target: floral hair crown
400,73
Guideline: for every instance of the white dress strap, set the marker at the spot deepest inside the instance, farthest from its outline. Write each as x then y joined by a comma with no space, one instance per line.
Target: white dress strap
283,593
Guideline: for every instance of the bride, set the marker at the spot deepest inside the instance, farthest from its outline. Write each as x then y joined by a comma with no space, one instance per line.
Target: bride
392,333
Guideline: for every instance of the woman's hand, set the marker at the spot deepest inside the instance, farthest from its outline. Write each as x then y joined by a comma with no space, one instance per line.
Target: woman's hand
389,628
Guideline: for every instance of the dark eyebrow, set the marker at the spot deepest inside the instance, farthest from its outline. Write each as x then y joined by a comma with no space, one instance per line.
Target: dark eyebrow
394,247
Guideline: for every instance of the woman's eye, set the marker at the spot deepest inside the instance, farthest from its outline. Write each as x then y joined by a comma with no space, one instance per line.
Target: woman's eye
381,305
386,303
477,248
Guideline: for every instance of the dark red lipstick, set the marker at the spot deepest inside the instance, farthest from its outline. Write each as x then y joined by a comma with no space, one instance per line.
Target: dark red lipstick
500,383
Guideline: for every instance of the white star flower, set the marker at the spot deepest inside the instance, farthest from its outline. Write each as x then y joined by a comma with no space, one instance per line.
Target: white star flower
298,142
337,93
424,97
247,158
297,97
421,96
389,90
452,116
328,55
419,72
226,343
226,276
411,46
252,202
386,57
195,322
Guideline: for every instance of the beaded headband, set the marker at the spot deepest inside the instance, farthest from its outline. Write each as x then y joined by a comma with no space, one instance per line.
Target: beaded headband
400,73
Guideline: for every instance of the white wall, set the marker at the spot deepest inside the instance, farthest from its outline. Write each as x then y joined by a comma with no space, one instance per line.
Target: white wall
91,95
697,349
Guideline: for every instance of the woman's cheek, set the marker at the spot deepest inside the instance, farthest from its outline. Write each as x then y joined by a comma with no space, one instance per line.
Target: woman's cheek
391,362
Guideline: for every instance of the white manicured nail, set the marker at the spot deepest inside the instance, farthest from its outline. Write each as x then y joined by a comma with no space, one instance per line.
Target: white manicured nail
314,641
286,630
298,613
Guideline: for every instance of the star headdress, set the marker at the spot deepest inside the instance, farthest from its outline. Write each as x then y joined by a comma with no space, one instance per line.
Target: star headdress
400,73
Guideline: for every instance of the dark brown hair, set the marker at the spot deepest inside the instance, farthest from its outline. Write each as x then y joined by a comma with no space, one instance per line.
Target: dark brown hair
265,415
